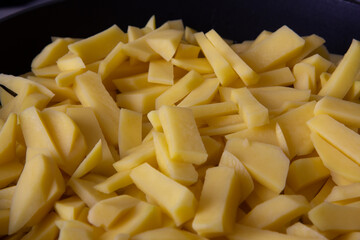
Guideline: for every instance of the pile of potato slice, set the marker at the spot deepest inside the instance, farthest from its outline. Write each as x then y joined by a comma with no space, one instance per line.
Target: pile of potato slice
169,133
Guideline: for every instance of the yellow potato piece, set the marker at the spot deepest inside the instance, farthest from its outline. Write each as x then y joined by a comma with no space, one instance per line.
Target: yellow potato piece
344,75
258,158
134,82
8,139
51,53
46,229
136,156
115,182
336,133
301,230
85,190
275,213
130,130
182,136
176,200
108,212
294,126
222,68
10,172
99,45
187,51
142,100
144,216
278,77
200,65
39,186
161,71
70,62
85,119
214,110
92,93
4,222
312,42
246,182
50,71
333,217
167,233
90,161
203,94
250,233
304,172
284,44
6,195
265,95
165,42
67,78
247,75
344,195
74,229
112,61
219,197
343,111
181,172
253,112
305,78
179,90
69,208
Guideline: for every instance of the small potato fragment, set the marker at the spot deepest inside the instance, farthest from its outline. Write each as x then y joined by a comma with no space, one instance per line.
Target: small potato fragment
187,51
182,135
112,61
305,78
115,182
175,199
219,197
275,213
277,77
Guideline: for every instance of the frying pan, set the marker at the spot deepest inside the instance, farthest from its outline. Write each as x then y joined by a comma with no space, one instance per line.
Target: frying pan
23,35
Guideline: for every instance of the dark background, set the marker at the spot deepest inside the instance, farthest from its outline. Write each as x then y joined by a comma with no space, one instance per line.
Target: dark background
24,34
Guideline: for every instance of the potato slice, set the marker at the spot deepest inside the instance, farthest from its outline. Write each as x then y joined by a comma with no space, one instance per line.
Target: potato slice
99,45
69,208
46,229
130,130
182,136
92,93
275,213
258,158
222,68
219,197
39,186
284,44
181,204
8,139
347,69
